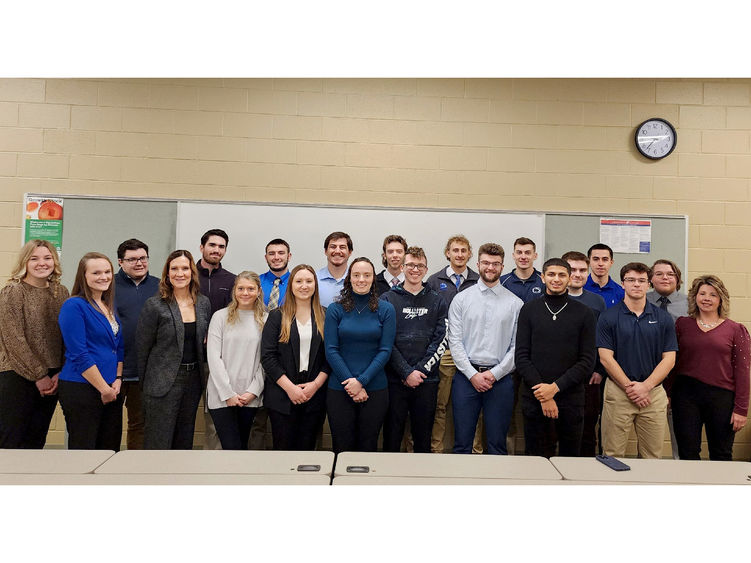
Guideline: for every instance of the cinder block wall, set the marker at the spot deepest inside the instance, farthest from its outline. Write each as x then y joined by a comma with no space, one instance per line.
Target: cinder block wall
532,144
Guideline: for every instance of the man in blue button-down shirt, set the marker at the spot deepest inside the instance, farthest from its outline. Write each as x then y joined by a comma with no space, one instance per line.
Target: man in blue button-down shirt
482,331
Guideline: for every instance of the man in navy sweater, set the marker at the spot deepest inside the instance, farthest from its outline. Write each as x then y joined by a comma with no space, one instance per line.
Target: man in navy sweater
420,342
133,286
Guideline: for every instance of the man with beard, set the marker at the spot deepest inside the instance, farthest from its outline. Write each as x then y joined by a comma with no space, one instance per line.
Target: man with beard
274,282
216,284
555,355
394,247
482,330
337,247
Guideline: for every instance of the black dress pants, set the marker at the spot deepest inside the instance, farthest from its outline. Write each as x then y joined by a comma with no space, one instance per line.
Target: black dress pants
355,426
233,426
297,430
541,433
419,403
695,404
91,424
24,414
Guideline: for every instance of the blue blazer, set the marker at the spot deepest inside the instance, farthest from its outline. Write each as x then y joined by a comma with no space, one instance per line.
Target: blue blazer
89,341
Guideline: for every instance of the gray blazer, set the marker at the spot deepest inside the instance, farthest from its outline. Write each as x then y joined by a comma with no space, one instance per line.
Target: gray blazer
159,341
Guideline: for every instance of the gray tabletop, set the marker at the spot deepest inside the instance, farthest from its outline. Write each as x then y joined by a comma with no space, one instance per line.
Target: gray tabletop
386,464
52,461
256,462
664,471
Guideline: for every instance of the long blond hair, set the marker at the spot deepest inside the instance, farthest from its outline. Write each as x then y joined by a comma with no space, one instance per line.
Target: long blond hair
258,308
289,308
24,255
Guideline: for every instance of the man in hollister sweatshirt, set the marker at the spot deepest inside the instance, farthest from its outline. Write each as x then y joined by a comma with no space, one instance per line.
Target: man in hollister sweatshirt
412,370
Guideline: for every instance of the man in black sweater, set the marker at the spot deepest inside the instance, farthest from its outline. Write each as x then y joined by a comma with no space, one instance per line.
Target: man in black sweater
555,356
412,370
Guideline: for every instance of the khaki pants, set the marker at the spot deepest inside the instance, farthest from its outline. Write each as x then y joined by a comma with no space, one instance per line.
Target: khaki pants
443,418
619,415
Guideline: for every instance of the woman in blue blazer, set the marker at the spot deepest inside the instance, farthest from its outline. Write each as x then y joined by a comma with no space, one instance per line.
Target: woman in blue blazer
89,383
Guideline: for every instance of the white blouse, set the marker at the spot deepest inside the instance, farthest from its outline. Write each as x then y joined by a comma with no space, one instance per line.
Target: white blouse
306,335
234,356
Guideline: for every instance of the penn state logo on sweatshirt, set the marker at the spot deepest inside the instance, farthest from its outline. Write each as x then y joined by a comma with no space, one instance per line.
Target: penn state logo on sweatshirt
414,312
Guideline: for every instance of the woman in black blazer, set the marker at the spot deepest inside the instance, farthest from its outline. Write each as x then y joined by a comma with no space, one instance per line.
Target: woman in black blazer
294,359
171,332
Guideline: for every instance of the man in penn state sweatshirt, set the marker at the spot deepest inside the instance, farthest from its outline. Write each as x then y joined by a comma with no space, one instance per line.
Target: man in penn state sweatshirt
412,370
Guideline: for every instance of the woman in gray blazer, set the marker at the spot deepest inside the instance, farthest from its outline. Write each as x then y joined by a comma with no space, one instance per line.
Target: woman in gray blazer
171,333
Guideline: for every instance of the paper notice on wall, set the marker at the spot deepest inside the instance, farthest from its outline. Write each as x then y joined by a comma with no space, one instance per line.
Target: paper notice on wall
44,219
633,236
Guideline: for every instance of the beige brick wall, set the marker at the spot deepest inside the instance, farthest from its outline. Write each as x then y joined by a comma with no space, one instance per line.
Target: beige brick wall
531,144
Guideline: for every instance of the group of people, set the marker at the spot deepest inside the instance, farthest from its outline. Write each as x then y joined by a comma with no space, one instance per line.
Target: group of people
371,350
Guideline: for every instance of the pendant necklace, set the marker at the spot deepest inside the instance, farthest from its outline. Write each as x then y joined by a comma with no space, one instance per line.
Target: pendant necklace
555,314
359,311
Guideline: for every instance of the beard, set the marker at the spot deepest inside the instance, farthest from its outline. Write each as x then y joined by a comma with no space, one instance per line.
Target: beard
489,278
280,269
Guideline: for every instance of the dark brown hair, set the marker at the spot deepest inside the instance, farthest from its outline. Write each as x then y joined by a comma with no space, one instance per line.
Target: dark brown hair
347,298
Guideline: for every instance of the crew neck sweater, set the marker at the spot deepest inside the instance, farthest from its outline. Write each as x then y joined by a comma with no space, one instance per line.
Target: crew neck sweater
359,342
30,340
560,351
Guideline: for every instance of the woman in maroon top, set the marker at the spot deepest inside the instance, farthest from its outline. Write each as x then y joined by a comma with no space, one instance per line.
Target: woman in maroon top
712,385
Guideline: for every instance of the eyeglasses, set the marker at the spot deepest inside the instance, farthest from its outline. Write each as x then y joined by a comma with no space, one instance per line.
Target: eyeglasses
486,264
411,266
635,280
664,275
131,261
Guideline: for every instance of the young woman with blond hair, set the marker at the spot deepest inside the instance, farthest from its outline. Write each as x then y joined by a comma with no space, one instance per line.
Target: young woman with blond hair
31,346
234,353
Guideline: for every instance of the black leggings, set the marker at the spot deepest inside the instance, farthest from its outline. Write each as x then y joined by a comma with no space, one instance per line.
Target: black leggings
355,426
233,426
24,414
695,404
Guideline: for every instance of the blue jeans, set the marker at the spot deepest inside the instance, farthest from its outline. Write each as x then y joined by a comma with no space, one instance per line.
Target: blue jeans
497,405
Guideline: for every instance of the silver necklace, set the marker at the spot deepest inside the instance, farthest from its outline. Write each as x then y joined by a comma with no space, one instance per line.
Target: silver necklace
359,311
708,325
555,315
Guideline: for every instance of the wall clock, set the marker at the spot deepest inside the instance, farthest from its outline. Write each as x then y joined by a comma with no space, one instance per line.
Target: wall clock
655,138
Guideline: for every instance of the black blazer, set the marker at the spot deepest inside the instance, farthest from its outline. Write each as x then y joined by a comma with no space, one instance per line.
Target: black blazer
160,338
283,358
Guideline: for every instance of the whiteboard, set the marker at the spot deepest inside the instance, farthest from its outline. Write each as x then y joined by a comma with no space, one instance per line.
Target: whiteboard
250,226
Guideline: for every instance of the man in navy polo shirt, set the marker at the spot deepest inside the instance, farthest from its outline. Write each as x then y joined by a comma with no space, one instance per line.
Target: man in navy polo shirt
524,281
637,345
599,281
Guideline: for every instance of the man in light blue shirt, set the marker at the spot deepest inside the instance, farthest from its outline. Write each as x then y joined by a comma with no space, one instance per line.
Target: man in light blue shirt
338,247
482,333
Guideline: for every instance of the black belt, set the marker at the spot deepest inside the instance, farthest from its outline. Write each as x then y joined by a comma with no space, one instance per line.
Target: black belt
480,367
189,367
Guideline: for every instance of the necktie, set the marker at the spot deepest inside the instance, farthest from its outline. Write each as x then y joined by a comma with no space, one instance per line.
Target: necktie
274,295
394,282
664,303
458,281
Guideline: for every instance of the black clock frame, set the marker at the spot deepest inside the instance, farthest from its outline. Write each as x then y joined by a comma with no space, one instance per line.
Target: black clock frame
666,122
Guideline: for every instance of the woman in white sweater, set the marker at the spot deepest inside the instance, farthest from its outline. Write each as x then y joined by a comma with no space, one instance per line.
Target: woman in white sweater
234,353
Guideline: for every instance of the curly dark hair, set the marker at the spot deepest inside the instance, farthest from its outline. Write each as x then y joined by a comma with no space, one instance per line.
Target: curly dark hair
347,298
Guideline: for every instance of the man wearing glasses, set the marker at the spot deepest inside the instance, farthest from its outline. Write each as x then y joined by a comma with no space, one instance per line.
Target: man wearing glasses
637,345
412,370
133,286
666,281
482,330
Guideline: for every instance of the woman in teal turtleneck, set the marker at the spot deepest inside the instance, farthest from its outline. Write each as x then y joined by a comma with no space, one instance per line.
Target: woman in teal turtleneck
359,334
